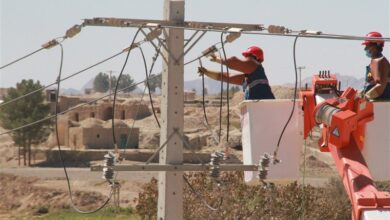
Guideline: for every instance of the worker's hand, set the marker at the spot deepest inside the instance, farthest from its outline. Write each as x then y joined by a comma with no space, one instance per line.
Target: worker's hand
360,94
202,71
214,58
370,77
363,95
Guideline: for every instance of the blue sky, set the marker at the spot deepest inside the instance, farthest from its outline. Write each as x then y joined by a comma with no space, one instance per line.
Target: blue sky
25,25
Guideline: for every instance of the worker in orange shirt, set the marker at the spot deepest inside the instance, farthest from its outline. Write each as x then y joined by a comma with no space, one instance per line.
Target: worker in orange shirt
377,85
252,75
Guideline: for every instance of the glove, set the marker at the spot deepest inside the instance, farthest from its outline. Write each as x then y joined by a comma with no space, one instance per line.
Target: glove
212,74
214,58
202,71
360,94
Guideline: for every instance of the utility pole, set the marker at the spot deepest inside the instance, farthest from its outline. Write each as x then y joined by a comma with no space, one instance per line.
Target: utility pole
300,68
170,187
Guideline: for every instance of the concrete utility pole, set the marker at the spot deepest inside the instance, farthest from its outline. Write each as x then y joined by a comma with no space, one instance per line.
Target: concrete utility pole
170,187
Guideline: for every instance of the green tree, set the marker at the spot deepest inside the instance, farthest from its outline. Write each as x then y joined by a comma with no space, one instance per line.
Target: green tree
25,111
126,81
154,82
101,82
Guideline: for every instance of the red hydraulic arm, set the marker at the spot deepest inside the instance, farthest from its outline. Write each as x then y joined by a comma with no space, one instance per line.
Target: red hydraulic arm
343,121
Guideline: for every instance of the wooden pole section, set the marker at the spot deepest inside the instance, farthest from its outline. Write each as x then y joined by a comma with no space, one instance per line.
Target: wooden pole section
170,186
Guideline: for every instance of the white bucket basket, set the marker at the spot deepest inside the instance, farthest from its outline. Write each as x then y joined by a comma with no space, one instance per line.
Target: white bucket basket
262,123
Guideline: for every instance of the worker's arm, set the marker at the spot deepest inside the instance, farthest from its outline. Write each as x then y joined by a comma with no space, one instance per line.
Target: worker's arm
246,66
235,78
379,70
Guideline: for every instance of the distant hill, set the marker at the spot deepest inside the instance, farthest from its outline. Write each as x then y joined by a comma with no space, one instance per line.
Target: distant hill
212,86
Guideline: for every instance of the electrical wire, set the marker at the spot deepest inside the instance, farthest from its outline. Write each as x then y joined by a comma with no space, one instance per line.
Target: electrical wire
220,103
203,96
139,103
206,122
294,101
291,34
147,80
73,108
54,83
227,88
59,147
21,58
116,89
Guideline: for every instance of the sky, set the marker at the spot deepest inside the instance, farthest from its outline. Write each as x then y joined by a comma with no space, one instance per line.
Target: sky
26,25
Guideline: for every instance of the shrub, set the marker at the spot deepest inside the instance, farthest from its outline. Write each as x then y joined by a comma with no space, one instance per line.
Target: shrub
237,200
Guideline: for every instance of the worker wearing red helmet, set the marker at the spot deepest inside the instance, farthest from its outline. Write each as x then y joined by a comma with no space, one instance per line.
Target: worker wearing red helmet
378,72
252,75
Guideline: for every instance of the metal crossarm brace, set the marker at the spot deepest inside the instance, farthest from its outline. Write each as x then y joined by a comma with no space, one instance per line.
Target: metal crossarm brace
155,46
193,44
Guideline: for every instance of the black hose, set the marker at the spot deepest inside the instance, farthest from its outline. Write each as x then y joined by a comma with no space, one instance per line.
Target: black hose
220,104
227,88
60,152
203,97
147,81
117,84
294,101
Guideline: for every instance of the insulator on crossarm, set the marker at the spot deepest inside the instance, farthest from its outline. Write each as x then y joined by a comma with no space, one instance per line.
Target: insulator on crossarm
215,161
109,162
264,163
234,34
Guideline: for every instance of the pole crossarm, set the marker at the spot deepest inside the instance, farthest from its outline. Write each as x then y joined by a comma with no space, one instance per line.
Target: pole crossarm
196,25
183,167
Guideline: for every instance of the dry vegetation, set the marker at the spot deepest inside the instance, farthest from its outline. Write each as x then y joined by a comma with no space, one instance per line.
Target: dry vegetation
240,201
237,200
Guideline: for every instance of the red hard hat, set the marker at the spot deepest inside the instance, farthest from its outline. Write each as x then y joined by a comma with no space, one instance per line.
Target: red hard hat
373,34
254,51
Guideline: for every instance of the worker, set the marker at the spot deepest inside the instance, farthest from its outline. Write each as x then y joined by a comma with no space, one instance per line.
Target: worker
252,77
377,83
